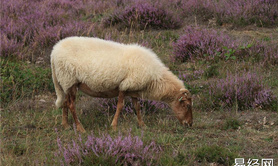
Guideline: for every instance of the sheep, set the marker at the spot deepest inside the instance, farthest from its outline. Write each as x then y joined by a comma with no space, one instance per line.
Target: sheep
109,69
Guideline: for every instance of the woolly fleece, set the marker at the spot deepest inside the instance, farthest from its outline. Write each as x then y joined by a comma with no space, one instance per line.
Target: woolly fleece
104,65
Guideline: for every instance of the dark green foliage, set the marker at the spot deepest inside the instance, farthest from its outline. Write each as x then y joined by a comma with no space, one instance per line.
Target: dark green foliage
19,149
231,123
180,159
19,79
215,154
211,71
274,106
99,160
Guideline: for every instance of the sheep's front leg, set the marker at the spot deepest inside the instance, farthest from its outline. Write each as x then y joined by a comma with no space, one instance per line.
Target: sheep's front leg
120,106
72,96
138,112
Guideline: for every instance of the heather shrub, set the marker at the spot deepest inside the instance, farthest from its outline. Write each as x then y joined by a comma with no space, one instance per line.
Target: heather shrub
105,105
9,47
146,106
149,106
198,8
108,150
240,12
197,74
197,43
245,92
259,12
210,45
143,15
211,71
264,52
28,26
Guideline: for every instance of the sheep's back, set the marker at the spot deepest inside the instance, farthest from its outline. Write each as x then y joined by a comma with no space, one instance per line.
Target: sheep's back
104,65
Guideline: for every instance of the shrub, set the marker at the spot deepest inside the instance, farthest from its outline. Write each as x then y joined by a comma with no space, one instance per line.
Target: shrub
240,12
216,154
211,71
210,45
28,26
147,106
197,74
9,47
246,91
264,52
143,15
121,150
199,43
231,123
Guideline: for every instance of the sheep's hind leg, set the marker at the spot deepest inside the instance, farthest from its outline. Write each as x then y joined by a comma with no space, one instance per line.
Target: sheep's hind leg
120,105
65,123
72,96
138,112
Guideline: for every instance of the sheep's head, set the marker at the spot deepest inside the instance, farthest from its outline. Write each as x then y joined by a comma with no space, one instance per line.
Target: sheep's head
182,106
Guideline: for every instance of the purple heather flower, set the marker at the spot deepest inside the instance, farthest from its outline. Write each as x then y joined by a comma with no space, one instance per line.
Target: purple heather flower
246,90
125,149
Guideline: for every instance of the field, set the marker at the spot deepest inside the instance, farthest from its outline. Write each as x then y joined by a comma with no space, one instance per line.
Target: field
225,52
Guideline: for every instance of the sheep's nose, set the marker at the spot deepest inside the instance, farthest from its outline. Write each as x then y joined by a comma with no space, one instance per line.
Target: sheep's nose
188,124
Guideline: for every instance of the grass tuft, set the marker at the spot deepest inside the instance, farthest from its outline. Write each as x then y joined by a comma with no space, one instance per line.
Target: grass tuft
215,154
231,123
22,80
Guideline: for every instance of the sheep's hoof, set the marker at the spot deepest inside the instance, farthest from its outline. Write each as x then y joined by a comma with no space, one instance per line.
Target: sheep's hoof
80,129
66,126
142,125
114,128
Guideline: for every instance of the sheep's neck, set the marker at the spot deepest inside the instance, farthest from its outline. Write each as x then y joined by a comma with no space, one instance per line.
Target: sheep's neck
165,89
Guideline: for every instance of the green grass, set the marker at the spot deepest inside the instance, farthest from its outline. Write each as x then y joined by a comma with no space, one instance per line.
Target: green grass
231,123
30,135
21,80
215,153
212,71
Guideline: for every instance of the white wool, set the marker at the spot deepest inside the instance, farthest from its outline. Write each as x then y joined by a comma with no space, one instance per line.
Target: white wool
103,65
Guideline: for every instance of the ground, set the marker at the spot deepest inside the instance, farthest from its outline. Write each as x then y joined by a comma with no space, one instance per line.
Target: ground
30,129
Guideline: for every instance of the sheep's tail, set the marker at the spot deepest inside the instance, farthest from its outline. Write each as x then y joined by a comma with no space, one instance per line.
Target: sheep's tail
58,89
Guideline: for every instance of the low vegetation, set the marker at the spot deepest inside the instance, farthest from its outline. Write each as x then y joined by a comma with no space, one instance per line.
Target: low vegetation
215,154
107,150
244,92
225,52
142,15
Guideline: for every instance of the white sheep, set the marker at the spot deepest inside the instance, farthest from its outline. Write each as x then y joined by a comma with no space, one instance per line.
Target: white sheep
108,69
